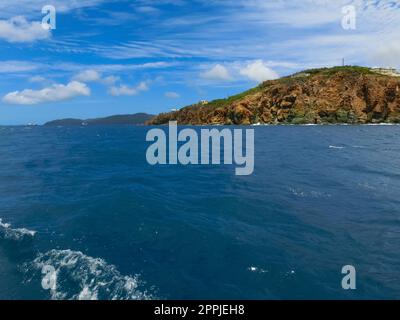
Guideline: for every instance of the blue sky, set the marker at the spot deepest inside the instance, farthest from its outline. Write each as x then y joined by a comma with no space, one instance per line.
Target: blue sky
114,57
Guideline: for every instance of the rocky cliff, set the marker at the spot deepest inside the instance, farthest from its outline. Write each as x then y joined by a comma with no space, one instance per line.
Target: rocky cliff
330,95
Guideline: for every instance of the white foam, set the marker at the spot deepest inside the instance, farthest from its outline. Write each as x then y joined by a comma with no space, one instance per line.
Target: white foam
256,269
335,147
8,233
311,193
86,294
382,124
80,277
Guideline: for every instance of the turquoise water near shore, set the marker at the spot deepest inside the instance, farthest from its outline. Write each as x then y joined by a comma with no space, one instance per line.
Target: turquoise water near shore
85,201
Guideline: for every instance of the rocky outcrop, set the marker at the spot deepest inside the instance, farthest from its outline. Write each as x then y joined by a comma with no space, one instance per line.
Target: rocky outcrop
336,95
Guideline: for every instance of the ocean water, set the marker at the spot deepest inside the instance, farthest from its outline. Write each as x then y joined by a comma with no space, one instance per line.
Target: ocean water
84,201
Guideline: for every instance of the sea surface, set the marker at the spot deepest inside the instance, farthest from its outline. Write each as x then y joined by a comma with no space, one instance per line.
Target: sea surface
84,201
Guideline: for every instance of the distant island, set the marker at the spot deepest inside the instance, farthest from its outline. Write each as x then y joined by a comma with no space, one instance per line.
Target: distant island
338,95
128,119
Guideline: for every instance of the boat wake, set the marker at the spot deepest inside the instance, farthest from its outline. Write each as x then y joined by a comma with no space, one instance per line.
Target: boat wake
75,276
17,234
80,277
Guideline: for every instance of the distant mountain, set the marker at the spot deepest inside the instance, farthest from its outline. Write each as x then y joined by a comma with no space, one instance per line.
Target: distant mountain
319,96
129,119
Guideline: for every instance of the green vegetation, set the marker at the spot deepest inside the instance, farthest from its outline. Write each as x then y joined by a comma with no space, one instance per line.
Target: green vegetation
334,70
221,103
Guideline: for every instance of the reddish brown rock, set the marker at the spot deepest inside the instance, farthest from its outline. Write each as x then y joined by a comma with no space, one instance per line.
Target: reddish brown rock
336,95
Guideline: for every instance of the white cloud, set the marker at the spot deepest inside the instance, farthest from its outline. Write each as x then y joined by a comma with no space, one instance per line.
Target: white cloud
110,80
88,76
172,95
258,71
148,10
37,79
218,72
11,66
57,92
124,90
142,86
18,30
92,75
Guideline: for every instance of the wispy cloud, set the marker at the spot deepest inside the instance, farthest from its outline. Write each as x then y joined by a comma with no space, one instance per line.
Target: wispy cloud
258,29
90,73
10,8
111,67
37,79
172,95
147,10
15,66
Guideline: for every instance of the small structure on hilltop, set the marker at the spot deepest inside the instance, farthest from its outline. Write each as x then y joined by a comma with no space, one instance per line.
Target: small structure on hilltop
387,71
203,102
300,75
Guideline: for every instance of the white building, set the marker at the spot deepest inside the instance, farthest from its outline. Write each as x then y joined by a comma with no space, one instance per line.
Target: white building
387,71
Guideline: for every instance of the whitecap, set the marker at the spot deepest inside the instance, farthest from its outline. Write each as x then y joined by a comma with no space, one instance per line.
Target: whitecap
290,273
311,193
16,234
256,269
336,147
81,277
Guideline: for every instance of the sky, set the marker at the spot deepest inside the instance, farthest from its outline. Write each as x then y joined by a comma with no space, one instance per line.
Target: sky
106,57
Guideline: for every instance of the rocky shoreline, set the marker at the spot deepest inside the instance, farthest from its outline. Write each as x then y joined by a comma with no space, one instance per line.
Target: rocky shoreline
340,95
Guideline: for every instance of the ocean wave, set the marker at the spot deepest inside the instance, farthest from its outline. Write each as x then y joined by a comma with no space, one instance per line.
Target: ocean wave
336,147
77,276
309,194
15,234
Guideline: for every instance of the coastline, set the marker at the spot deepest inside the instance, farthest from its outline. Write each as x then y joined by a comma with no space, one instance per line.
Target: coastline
214,125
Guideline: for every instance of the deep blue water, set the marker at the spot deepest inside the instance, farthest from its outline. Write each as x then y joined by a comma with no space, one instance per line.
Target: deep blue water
113,226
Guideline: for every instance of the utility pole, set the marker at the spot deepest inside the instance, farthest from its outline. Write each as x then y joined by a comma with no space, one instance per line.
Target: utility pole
343,62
